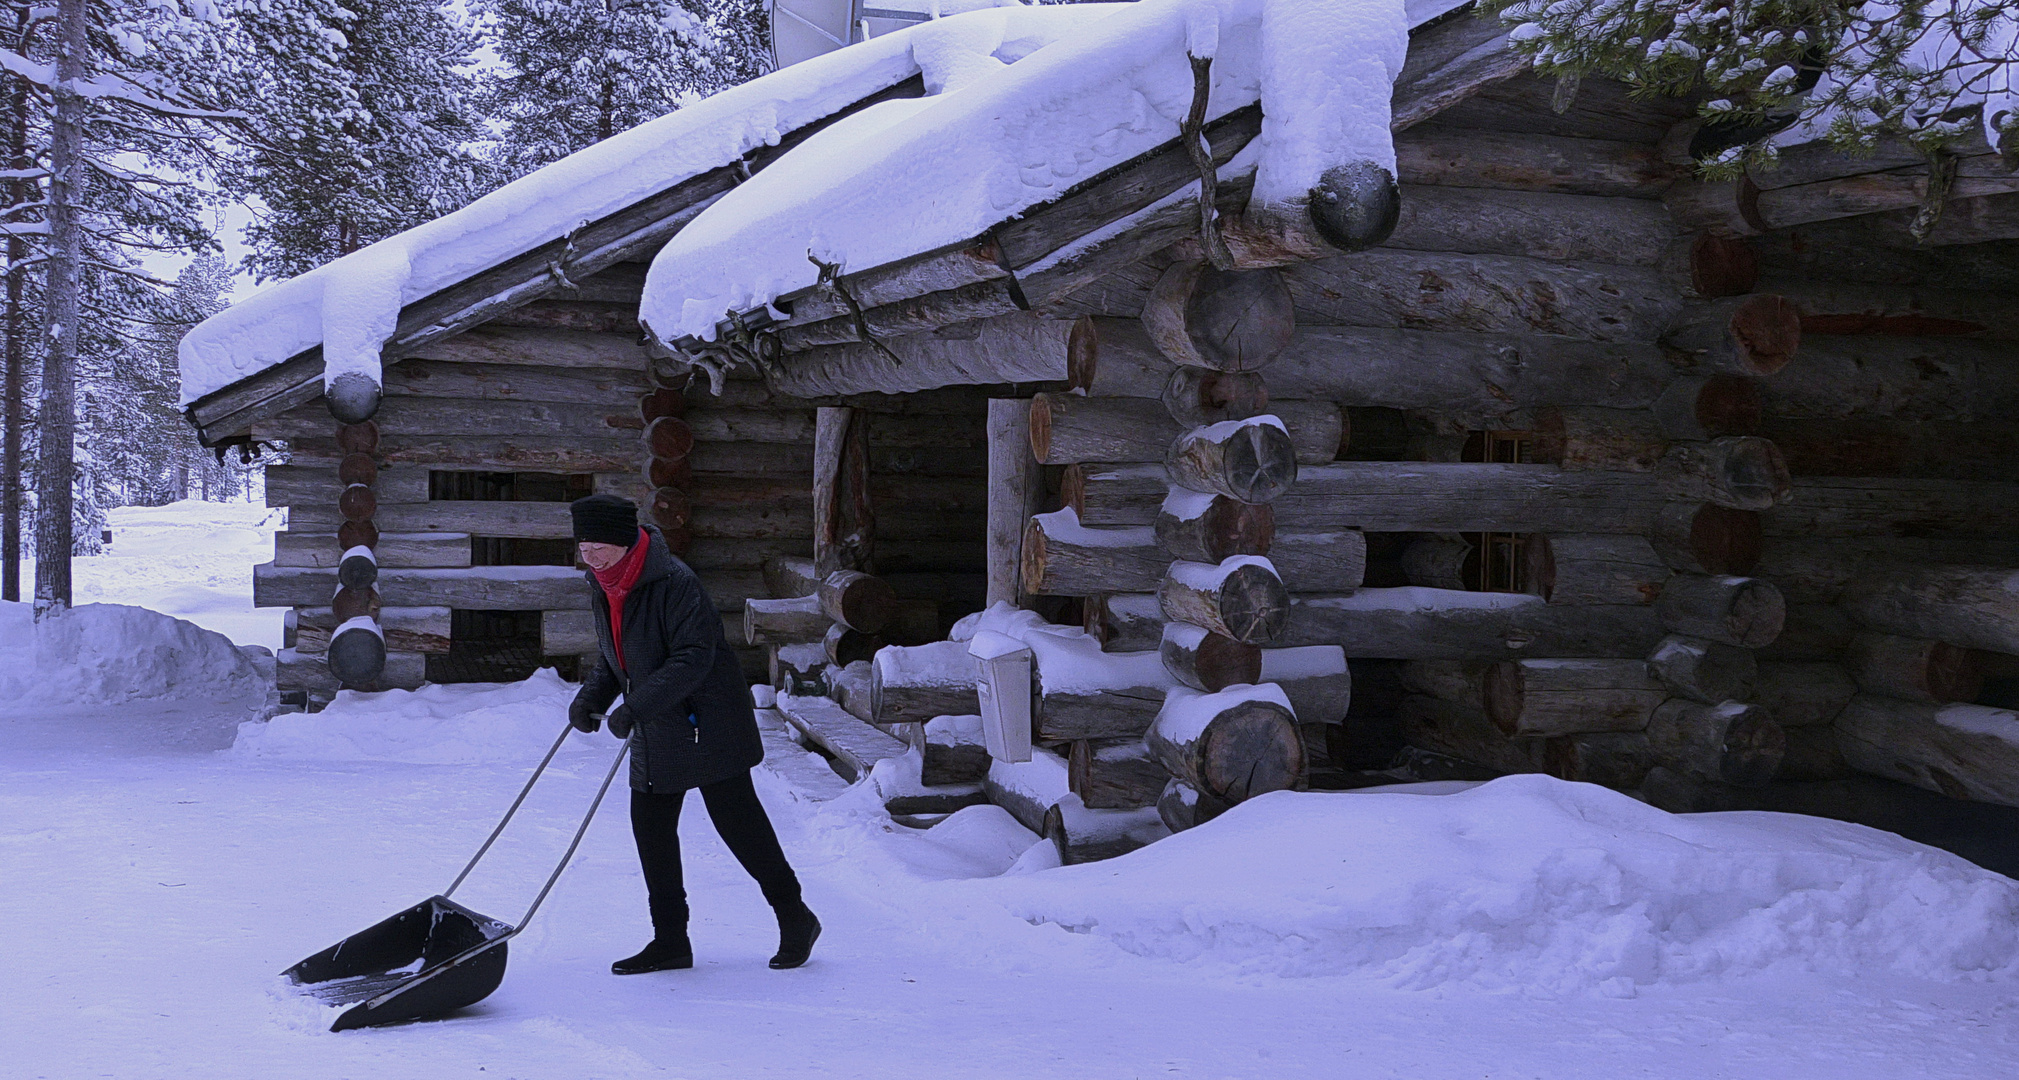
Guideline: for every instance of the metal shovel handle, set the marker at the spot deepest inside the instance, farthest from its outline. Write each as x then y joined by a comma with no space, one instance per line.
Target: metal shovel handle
580,831
474,951
516,803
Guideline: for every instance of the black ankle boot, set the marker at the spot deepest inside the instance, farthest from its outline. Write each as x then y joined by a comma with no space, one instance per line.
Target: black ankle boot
797,930
661,955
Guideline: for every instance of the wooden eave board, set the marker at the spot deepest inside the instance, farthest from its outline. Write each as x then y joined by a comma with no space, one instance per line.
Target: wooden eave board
631,233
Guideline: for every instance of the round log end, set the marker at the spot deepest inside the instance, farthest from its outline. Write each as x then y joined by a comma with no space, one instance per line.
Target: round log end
1252,749
357,469
1729,405
1217,662
358,503
1726,541
669,437
1239,320
1722,266
358,438
677,540
1757,615
357,534
1752,471
670,509
1754,747
1073,489
357,657
358,572
1503,689
353,397
1083,353
662,402
1954,673
858,600
1254,605
351,603
845,645
1261,463
1355,206
1183,806
669,472
1041,428
1199,396
1768,331
1237,528
1032,568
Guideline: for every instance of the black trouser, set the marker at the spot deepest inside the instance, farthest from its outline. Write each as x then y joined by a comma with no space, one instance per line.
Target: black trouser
740,820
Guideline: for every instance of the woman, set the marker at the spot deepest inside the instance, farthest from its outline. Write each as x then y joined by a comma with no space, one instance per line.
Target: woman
660,644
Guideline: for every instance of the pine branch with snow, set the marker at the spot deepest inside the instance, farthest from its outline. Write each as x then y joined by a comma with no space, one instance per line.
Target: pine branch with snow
1931,72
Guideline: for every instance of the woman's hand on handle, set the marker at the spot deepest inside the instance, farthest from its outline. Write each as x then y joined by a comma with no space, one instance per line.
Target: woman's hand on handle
582,718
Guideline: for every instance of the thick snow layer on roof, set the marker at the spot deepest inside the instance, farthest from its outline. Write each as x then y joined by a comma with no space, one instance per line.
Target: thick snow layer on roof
349,306
1009,128
1028,101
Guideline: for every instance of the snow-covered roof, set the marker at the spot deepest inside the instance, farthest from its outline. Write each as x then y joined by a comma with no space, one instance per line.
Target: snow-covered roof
349,306
1024,102
1007,127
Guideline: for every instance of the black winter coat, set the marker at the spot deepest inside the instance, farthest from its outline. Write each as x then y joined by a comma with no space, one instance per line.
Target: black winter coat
676,662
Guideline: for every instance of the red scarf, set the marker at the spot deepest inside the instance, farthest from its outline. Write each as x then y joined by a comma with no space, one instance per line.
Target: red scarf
617,582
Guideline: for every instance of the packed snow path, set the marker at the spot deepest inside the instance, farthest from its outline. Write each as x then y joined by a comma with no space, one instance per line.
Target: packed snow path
155,885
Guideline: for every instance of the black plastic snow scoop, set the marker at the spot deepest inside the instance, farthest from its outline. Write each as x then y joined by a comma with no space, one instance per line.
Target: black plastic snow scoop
437,956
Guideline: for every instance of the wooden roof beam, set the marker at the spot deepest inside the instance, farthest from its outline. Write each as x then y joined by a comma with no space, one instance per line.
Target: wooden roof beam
1743,208
632,233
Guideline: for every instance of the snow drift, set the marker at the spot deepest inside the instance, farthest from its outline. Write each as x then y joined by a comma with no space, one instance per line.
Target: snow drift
111,654
461,724
1536,883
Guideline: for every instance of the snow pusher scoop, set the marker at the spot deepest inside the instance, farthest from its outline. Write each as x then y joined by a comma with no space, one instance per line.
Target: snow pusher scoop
437,956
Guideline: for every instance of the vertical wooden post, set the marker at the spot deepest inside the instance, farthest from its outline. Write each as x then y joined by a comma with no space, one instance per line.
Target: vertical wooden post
844,526
1013,490
830,432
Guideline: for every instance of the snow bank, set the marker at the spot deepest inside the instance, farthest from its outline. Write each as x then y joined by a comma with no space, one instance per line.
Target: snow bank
110,654
462,724
1533,882
189,559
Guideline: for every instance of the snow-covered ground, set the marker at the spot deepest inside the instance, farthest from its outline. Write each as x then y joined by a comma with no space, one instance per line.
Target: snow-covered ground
159,864
190,559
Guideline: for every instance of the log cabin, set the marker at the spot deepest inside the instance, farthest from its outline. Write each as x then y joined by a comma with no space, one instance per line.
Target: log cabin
1509,445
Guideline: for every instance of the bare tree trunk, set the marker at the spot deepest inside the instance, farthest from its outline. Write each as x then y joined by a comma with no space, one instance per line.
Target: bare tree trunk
14,418
53,525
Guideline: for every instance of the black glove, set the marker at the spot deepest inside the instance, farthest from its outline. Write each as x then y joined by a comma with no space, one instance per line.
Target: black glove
581,718
621,721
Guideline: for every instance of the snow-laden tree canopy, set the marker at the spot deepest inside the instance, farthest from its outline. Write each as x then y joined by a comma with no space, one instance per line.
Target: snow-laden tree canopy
1931,71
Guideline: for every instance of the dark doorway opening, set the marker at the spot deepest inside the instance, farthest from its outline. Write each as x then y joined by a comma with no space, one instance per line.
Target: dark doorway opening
494,646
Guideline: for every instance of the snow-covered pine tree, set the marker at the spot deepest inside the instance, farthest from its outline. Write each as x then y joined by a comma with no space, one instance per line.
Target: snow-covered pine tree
576,72
1931,72
144,452
362,118
112,145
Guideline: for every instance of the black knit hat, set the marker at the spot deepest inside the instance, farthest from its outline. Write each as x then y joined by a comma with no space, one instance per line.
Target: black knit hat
605,519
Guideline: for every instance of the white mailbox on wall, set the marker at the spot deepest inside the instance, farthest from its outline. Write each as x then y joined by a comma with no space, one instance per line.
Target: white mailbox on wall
1003,682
